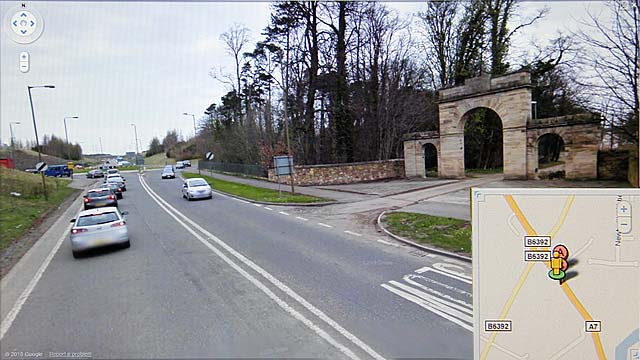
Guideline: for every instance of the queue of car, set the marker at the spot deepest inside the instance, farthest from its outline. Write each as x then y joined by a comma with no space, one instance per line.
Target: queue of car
101,223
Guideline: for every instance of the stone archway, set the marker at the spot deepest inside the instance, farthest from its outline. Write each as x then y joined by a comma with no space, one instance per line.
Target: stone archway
510,97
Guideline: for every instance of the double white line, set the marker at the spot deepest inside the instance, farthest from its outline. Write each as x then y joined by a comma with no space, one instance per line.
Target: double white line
190,225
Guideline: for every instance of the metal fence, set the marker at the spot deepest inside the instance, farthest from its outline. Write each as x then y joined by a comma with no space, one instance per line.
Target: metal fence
245,169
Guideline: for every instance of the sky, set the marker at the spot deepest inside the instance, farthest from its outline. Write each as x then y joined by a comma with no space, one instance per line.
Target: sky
147,63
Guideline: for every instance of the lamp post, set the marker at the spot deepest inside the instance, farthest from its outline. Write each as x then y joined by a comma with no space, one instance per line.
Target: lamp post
194,123
13,146
66,135
35,129
135,132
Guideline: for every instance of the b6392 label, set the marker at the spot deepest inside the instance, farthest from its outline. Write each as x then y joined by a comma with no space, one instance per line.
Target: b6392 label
542,241
497,325
537,255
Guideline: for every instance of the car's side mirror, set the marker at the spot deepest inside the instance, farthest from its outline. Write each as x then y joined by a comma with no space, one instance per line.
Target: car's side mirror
73,220
125,212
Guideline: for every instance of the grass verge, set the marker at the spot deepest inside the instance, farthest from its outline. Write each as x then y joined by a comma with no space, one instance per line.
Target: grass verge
19,213
441,232
255,193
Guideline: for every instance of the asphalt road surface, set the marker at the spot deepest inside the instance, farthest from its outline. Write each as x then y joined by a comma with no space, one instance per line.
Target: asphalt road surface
227,278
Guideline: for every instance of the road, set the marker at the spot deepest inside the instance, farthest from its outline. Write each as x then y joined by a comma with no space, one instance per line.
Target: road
227,278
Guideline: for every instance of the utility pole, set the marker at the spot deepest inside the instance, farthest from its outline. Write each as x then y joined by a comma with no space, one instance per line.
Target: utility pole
35,129
12,140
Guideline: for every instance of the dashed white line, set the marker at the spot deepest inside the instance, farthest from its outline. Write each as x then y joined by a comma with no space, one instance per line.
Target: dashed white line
242,201
301,218
258,205
268,208
325,225
283,213
352,233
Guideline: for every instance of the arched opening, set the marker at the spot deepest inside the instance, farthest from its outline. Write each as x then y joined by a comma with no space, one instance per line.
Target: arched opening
551,157
430,160
482,141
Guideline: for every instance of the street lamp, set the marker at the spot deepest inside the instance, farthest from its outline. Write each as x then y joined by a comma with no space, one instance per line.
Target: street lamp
35,129
135,132
11,131
13,147
66,135
194,123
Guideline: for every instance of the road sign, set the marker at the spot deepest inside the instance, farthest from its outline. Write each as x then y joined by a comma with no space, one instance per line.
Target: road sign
283,165
209,156
42,166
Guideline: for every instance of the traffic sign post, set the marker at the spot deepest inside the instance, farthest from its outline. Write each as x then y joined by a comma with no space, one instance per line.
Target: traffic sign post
209,156
42,167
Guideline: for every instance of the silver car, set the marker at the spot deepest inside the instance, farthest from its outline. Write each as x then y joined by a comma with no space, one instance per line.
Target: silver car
196,188
98,228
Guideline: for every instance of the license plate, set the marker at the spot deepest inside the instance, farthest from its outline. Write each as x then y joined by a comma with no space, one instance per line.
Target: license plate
100,204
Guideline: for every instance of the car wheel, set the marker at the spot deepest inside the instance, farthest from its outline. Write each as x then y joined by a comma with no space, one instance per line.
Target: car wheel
210,197
119,197
76,254
126,245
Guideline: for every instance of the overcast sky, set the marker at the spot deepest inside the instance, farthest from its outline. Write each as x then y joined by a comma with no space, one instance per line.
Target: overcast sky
146,63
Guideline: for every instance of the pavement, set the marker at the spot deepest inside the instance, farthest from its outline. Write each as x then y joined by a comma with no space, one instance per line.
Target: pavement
229,278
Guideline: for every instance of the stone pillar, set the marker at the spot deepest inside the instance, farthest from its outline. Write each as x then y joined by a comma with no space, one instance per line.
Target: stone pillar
410,166
514,145
532,154
451,160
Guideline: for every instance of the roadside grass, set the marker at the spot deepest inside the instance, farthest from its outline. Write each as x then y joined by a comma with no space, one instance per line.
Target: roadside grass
18,213
255,193
497,170
159,159
441,232
550,164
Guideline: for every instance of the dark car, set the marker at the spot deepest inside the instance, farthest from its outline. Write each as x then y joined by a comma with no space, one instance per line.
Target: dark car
102,197
96,173
58,171
186,163
115,188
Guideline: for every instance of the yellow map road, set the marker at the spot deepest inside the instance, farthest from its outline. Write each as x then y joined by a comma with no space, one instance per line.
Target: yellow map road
523,277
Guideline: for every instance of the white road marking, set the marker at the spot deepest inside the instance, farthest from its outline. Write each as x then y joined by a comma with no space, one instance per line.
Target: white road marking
410,281
301,218
317,312
465,279
15,309
425,304
447,268
461,312
268,208
325,225
283,213
387,243
242,201
258,205
431,255
352,233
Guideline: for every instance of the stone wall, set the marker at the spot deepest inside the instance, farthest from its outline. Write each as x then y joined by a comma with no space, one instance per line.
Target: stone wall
333,174
613,165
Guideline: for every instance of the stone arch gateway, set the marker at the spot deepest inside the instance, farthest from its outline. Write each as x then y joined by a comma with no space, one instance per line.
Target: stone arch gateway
510,97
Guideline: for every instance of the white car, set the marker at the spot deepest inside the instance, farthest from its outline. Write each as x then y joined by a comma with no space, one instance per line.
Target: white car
179,165
196,188
97,228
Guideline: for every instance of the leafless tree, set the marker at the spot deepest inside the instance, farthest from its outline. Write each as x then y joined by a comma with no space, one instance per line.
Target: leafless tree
611,60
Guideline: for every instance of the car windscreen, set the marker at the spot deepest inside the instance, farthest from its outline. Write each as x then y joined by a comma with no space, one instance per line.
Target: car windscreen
97,219
198,183
97,194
